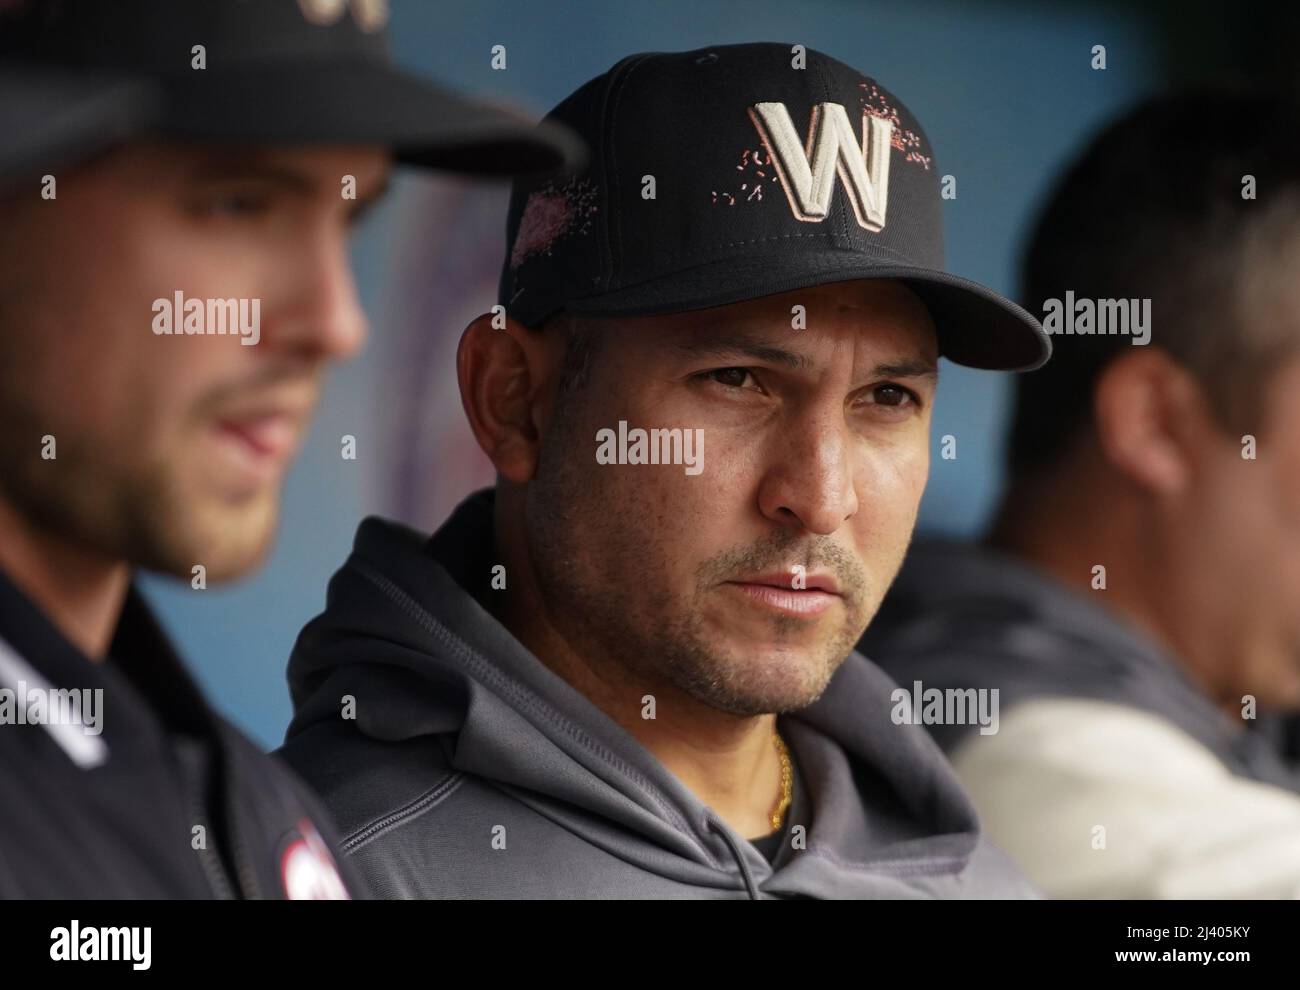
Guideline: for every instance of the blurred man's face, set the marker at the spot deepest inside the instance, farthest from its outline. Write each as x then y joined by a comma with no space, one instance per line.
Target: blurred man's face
1249,513
815,454
170,449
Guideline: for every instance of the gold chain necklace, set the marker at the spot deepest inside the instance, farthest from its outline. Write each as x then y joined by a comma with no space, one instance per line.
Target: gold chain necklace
787,781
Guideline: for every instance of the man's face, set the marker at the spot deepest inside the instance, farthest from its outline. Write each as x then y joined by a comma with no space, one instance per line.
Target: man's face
1247,514
815,455
170,449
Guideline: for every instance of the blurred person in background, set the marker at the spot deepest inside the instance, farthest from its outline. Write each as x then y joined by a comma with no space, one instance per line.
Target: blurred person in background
134,178
1137,603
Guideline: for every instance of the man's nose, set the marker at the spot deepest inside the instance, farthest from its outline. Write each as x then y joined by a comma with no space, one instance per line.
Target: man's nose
810,480
321,317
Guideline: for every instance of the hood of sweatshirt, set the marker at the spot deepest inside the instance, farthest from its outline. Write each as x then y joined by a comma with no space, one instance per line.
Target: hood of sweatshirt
962,616
405,634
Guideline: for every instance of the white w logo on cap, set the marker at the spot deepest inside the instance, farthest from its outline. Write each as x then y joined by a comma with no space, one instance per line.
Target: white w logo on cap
808,171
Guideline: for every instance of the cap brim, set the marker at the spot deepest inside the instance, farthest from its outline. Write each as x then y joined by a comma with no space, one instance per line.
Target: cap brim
976,326
50,118
315,102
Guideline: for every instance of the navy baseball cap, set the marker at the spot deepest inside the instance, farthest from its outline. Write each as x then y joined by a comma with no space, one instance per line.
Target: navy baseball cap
733,172
276,71
49,117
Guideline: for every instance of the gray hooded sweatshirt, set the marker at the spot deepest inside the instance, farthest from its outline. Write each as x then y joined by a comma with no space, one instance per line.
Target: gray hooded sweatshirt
456,764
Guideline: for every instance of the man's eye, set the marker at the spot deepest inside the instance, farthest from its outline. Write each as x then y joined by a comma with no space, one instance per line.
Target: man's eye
731,377
892,395
236,204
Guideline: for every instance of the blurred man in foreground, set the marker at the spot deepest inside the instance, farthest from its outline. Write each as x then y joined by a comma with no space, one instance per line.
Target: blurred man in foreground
168,309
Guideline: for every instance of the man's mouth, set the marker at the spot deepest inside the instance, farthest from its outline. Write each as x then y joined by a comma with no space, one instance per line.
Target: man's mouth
261,441
793,593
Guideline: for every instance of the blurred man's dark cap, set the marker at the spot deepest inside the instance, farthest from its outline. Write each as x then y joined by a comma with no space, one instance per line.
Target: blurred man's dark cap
273,71
730,173
49,118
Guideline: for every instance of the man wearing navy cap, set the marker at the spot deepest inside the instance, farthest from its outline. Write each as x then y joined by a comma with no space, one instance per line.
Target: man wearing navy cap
178,184
627,670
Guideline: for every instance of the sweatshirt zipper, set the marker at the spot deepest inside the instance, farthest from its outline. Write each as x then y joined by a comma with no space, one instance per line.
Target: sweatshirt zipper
229,791
211,864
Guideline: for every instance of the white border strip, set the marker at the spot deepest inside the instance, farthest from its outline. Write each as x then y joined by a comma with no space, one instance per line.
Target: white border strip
84,750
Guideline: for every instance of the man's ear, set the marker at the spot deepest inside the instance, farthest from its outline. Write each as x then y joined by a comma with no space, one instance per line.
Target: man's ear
501,370
1152,419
